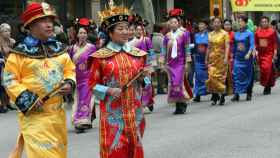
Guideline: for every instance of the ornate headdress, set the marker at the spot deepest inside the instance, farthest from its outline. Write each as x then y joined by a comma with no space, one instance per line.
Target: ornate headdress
82,22
176,12
137,20
36,11
113,15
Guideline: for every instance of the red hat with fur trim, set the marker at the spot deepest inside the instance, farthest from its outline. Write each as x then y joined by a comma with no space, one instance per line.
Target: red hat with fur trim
36,11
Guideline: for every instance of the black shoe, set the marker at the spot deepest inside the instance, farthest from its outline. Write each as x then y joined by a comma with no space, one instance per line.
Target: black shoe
267,91
180,108
151,108
249,97
215,98
235,98
79,130
222,100
86,126
160,91
197,99
212,97
11,108
214,102
184,107
3,110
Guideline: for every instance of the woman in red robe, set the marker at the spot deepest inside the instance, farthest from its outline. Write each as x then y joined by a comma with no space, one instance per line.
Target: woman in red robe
266,46
114,67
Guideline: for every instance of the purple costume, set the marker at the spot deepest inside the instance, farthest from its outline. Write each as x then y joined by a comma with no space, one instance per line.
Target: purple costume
83,110
178,88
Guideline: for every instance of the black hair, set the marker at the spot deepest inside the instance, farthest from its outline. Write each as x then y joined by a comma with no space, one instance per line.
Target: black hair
19,26
107,32
77,28
205,21
274,22
244,18
176,17
228,20
221,20
265,17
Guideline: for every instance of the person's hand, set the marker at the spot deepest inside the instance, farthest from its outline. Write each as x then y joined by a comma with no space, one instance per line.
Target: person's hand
275,57
225,61
189,58
39,104
66,89
114,92
247,56
254,54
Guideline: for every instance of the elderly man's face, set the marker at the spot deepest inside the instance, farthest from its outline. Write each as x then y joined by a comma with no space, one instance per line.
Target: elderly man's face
42,28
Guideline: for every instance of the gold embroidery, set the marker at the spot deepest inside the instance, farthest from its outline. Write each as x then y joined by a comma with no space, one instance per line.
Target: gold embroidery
241,47
105,53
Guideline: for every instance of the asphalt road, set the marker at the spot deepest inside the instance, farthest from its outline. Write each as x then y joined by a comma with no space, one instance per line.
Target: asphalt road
236,130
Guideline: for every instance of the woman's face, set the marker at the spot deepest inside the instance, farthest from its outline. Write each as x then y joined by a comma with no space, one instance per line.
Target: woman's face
173,23
217,24
202,26
242,23
82,35
139,31
227,26
120,33
264,23
131,32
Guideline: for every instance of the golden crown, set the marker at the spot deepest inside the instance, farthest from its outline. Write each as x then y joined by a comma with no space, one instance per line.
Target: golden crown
112,11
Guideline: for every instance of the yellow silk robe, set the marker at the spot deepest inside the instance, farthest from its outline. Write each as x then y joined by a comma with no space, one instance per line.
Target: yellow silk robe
219,80
43,130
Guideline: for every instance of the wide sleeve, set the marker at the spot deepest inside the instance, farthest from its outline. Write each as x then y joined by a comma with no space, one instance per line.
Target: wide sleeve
252,41
69,71
23,98
95,79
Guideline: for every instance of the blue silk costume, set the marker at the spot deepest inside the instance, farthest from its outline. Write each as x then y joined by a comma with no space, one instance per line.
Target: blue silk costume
242,68
201,73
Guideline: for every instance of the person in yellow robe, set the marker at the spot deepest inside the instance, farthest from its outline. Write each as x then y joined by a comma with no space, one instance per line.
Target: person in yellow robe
217,59
37,75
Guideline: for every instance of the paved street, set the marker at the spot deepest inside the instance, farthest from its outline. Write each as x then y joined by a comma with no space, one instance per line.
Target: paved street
236,130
